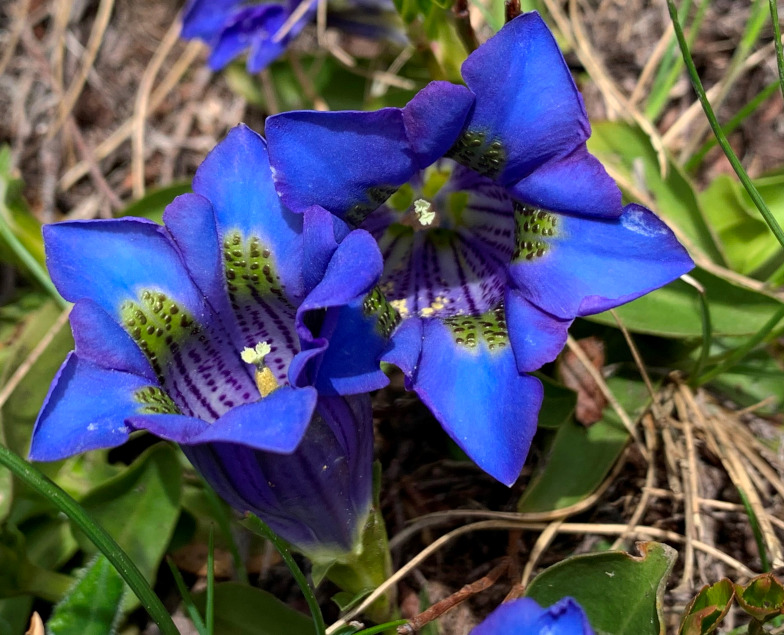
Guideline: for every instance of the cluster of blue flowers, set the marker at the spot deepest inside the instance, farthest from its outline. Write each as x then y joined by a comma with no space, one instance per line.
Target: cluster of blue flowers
265,29
456,238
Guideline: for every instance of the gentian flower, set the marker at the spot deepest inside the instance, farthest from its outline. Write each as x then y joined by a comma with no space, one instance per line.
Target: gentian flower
225,331
230,27
497,227
525,617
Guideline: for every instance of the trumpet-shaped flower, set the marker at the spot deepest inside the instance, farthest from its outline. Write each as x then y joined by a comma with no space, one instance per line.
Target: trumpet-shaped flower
237,330
525,617
230,27
497,227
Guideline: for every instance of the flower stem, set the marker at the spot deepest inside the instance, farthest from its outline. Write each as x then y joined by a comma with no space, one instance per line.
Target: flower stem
717,131
97,535
257,525
774,16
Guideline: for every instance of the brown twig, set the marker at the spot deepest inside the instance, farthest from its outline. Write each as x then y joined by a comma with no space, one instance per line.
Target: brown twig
512,9
439,608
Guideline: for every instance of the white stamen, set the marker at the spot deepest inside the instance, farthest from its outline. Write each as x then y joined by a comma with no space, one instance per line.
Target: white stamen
256,355
424,212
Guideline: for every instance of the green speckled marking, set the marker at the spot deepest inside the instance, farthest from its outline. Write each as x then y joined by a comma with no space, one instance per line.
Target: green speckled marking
154,402
248,266
468,331
376,305
473,150
155,322
376,196
534,228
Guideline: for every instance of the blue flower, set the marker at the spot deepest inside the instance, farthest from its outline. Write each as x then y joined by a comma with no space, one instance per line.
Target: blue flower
231,27
497,227
239,330
525,617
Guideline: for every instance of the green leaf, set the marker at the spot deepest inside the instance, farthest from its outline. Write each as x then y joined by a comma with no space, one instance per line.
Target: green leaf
558,405
580,458
674,310
139,508
628,150
15,614
756,378
154,202
245,610
705,612
747,240
19,412
92,606
762,597
14,212
621,594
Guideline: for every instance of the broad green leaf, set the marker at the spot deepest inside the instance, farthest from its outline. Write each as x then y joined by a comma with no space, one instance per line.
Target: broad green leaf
19,412
15,614
14,213
674,310
705,612
628,150
19,576
762,597
139,508
92,606
154,202
245,610
580,458
558,405
621,594
747,240
50,542
756,378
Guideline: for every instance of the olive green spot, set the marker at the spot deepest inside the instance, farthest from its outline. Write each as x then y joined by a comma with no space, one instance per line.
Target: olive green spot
475,151
375,305
149,318
376,196
154,401
249,267
402,199
490,327
534,229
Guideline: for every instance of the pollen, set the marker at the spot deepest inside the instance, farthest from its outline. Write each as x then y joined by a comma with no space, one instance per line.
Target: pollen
424,212
257,354
265,378
401,306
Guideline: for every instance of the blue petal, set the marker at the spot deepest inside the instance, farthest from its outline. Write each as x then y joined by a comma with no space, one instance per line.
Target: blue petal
191,223
405,348
527,102
536,337
463,386
512,617
100,340
275,423
317,497
205,19
355,329
245,27
110,261
434,118
319,244
85,410
236,179
266,48
592,265
573,184
347,162
525,617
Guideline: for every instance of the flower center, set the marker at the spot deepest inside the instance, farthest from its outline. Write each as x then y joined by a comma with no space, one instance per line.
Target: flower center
447,237
265,378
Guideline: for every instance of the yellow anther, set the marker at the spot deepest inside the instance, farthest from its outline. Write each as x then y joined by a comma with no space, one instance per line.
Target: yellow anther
266,381
424,212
